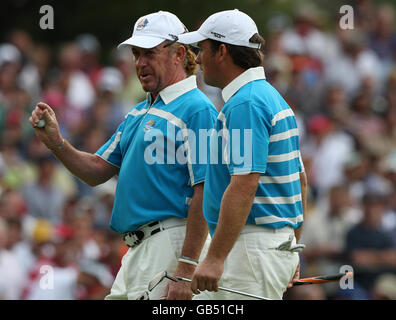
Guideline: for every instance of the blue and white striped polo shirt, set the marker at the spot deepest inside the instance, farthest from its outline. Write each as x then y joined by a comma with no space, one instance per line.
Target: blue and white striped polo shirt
154,182
262,136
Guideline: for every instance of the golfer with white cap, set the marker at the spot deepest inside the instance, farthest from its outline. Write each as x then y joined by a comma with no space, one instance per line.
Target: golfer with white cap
253,204
158,200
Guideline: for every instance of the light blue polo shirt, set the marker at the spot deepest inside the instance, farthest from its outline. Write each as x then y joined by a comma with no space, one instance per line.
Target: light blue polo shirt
157,153
259,134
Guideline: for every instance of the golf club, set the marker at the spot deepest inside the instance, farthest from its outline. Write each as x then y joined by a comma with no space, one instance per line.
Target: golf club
322,279
164,274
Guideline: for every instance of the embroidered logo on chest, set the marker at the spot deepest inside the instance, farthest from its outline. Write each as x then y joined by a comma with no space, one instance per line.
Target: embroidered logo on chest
148,126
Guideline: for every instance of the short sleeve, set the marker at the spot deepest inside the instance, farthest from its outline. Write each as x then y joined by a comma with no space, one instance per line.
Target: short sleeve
199,127
111,150
249,129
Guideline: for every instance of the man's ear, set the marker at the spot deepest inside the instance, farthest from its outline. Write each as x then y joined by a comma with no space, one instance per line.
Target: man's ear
222,52
180,53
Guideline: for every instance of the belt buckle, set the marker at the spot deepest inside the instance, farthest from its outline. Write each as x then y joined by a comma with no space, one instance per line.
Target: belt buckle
136,237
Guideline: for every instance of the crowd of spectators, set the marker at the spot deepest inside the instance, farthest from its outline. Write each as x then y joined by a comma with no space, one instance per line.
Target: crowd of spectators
53,227
55,242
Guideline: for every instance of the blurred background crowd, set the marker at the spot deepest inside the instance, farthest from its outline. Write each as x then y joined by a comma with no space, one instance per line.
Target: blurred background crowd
341,85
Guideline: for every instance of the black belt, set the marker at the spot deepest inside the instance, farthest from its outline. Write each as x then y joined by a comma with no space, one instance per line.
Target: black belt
134,238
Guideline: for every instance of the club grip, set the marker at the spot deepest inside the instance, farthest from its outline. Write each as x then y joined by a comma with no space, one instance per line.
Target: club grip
321,279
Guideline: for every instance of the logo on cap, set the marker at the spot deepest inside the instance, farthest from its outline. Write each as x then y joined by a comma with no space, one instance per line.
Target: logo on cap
142,24
217,35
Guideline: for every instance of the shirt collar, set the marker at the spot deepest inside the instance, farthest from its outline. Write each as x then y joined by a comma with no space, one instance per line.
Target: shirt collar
177,89
249,75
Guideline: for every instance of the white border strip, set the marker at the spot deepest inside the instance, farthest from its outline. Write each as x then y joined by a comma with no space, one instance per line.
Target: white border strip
282,115
136,112
274,219
278,200
284,135
112,146
284,156
279,179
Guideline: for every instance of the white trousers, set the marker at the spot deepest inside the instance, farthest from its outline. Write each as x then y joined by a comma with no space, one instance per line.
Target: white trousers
141,263
255,266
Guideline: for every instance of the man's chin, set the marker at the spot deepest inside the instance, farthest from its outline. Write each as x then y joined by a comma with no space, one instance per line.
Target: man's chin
150,87
209,82
147,87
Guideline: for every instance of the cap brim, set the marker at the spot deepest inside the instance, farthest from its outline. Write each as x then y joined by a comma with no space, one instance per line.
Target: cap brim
191,38
146,42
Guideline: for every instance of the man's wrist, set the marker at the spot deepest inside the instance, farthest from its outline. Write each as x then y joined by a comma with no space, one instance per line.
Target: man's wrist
185,270
59,146
188,260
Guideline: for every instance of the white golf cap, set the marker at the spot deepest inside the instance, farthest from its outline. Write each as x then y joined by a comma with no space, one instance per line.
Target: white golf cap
231,26
150,30
9,53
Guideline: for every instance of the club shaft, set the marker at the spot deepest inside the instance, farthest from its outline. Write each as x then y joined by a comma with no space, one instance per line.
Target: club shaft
232,291
322,279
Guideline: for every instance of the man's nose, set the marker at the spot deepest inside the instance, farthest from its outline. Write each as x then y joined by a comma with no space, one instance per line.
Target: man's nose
141,61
